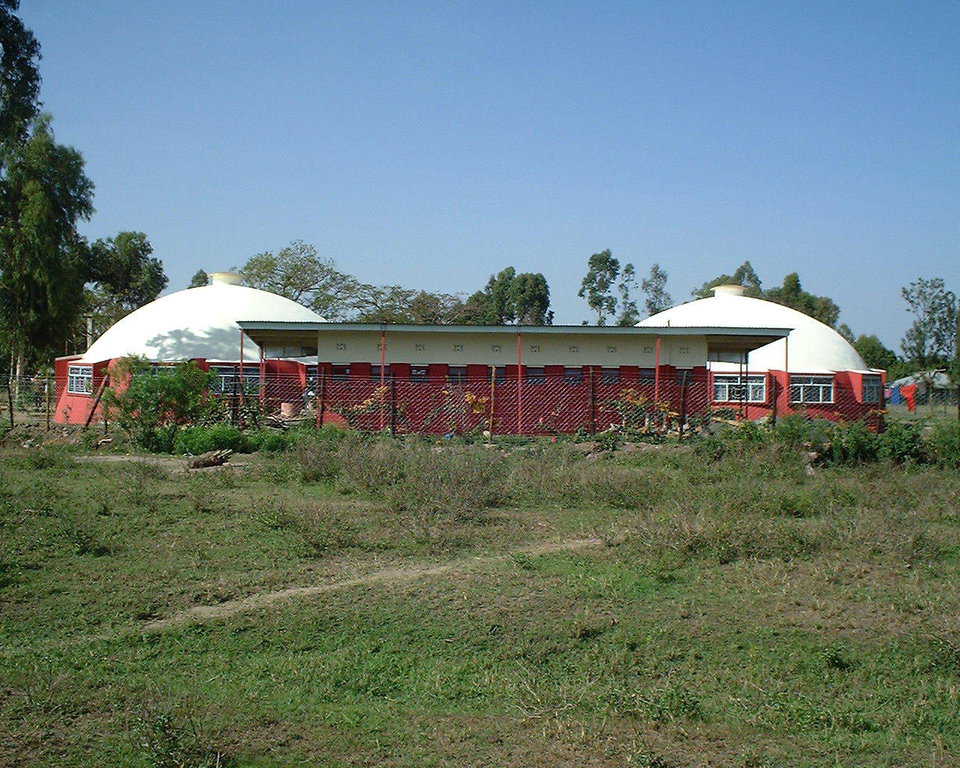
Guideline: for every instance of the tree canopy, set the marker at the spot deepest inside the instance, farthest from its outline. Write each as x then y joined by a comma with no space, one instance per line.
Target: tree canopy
743,275
44,262
654,288
603,268
19,79
298,272
199,279
932,338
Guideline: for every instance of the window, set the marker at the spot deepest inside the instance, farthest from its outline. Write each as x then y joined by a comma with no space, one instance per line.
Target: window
573,375
500,374
737,389
80,379
457,374
872,389
610,375
419,373
811,389
340,372
375,372
536,375
226,382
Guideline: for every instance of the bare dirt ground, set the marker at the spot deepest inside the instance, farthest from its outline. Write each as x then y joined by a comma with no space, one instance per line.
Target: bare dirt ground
200,613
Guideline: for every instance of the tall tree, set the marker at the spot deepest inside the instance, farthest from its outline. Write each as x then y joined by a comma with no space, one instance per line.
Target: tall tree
743,275
932,339
791,294
509,297
531,299
627,288
44,262
655,289
299,273
874,353
602,272
199,279
125,272
19,79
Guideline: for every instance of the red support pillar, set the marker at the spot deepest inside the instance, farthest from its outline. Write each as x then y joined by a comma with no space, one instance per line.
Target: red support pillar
519,383
656,372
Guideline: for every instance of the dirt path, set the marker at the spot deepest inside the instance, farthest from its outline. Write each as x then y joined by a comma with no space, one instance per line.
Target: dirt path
387,575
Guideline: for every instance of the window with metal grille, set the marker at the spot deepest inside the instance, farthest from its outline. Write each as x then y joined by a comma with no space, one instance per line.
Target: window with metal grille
573,375
375,372
80,379
610,375
457,374
536,375
419,373
872,389
811,389
228,380
737,389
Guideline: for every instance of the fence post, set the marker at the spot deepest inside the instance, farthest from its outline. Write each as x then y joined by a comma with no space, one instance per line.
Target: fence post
393,406
321,395
773,392
593,401
493,393
683,404
46,395
103,385
10,400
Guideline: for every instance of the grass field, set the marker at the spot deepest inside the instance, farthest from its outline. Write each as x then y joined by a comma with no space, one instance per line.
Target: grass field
479,607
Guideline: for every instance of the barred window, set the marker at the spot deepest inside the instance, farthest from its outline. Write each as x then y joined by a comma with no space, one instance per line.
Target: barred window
811,389
228,383
80,379
536,375
737,389
573,375
610,375
872,389
457,374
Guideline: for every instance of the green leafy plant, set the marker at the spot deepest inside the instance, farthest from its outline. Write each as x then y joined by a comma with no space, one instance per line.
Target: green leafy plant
151,406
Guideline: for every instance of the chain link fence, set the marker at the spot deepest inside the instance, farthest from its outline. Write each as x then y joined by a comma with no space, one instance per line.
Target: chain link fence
498,404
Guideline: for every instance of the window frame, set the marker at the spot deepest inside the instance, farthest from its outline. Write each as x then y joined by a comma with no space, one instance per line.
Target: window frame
77,373
816,382
873,382
457,374
226,374
728,381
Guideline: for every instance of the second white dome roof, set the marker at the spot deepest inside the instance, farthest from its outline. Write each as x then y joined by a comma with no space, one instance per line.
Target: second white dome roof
813,347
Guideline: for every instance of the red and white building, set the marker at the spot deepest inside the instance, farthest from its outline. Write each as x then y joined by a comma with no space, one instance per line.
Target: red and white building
813,370
718,353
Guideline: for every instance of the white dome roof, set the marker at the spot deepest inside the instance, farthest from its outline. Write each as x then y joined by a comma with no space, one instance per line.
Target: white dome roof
813,346
196,323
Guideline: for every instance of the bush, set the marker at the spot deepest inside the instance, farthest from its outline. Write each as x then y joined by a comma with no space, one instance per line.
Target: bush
155,403
852,444
902,443
945,444
197,440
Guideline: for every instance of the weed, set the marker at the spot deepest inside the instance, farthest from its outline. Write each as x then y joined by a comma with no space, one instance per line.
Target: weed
167,739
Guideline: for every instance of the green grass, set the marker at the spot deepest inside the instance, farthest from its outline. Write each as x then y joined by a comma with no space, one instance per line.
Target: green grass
738,612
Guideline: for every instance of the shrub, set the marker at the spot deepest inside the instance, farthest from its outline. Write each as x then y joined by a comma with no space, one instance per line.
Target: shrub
945,444
852,444
156,403
902,443
200,439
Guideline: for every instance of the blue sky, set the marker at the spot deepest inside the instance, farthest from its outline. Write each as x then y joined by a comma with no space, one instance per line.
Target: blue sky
430,144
